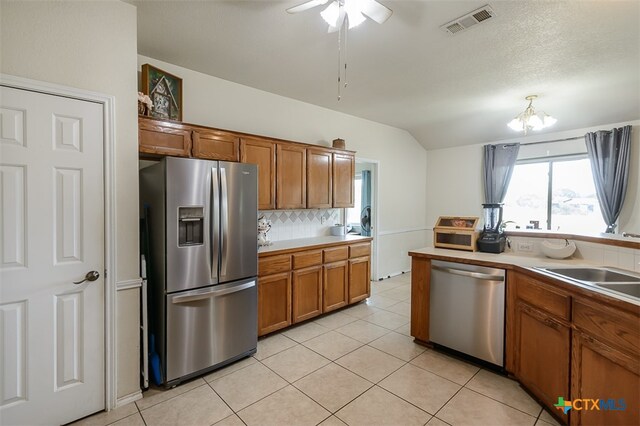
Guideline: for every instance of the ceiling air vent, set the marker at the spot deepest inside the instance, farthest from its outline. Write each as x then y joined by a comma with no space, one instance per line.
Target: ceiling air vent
469,20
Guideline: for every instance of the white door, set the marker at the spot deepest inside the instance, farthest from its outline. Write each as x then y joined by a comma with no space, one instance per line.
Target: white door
51,234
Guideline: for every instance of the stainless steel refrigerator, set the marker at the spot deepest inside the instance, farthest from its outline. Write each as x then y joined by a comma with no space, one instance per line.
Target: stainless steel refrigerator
202,221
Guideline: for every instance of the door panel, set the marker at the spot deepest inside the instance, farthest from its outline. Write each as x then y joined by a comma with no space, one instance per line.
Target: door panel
52,233
336,285
238,221
319,178
359,277
291,170
262,153
307,293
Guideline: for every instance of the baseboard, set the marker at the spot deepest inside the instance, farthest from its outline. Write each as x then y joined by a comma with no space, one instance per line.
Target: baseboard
128,399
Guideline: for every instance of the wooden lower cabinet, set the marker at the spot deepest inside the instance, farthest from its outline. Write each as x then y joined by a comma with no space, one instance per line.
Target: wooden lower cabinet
274,302
600,371
359,279
301,284
335,278
307,293
542,354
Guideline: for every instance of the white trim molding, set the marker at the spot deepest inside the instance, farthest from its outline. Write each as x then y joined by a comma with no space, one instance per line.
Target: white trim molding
129,284
402,231
128,399
109,117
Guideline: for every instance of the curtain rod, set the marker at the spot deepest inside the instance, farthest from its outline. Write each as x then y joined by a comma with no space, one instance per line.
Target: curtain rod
554,140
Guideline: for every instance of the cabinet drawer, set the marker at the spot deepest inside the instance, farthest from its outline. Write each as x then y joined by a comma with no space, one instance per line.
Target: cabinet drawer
274,264
359,250
216,145
611,325
542,296
335,254
306,259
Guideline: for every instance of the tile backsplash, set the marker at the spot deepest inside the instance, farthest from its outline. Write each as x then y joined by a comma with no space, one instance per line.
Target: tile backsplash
292,224
601,254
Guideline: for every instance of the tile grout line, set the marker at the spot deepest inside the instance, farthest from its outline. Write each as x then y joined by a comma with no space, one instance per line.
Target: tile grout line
500,402
457,392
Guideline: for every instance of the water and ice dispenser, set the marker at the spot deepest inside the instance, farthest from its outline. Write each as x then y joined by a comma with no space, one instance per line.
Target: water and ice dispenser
190,226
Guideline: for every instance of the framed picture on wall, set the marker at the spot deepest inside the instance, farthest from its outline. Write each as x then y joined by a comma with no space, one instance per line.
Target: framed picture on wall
165,91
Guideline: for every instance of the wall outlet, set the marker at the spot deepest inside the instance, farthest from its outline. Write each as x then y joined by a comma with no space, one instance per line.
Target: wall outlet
522,246
322,220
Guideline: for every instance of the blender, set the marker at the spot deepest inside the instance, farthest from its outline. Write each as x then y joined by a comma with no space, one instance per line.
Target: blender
492,239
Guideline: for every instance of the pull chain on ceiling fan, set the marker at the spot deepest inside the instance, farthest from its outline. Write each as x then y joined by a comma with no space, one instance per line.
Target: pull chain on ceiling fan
343,15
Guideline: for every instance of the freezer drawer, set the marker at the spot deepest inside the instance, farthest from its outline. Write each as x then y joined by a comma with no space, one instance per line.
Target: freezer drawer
208,326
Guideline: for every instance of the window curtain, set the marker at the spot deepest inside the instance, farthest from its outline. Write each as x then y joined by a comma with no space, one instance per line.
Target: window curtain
499,162
366,202
609,153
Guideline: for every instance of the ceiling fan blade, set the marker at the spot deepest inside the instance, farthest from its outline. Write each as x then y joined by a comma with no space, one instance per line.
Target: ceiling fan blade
340,21
376,11
305,6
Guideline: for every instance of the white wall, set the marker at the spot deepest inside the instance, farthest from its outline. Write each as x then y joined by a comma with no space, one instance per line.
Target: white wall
211,101
90,45
454,175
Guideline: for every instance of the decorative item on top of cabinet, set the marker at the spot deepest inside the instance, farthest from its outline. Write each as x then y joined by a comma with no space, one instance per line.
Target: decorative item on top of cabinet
165,91
263,153
344,172
339,143
456,232
163,138
291,176
215,145
319,178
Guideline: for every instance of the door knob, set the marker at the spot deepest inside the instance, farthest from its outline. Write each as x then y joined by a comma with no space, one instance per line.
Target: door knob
91,276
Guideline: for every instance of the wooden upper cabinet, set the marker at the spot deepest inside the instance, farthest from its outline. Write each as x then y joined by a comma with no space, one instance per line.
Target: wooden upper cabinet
319,178
291,176
163,138
344,172
263,153
216,145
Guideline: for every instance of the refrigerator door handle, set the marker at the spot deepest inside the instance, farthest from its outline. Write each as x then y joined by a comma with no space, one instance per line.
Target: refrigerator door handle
224,221
211,293
215,226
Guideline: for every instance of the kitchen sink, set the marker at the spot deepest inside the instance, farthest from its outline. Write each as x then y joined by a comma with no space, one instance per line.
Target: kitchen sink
594,275
630,289
610,279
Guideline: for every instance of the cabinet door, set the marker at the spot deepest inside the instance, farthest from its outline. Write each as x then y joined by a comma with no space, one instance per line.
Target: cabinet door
307,293
344,172
274,302
291,166
359,275
542,355
600,371
336,285
216,145
262,153
163,138
319,178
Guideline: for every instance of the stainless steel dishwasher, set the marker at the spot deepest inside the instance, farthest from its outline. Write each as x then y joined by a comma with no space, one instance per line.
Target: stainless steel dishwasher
466,309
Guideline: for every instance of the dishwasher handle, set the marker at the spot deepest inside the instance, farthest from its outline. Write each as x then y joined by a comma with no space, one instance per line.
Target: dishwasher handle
464,273
211,293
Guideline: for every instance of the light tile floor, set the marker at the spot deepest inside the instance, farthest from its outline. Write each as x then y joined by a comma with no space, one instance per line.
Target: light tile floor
358,366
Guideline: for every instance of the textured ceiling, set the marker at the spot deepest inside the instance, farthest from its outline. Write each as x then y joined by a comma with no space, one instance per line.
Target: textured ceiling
581,57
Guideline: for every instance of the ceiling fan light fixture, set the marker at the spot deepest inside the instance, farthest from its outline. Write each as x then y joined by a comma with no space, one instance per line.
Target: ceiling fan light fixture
354,13
530,120
331,13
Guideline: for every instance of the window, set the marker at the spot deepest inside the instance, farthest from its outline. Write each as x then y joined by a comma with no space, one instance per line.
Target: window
556,195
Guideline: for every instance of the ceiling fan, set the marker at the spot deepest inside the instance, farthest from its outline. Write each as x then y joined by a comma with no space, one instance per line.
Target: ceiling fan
353,10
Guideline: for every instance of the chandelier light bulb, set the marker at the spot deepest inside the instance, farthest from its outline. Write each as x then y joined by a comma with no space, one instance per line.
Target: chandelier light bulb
530,120
331,13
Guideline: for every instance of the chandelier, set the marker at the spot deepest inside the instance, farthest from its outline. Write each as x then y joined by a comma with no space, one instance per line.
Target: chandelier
529,119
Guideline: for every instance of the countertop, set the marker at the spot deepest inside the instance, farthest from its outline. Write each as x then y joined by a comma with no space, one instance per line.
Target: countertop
530,263
310,243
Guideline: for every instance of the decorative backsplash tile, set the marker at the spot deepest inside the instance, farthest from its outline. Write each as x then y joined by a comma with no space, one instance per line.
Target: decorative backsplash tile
292,224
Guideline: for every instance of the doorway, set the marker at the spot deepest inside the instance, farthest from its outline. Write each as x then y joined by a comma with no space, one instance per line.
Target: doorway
362,218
